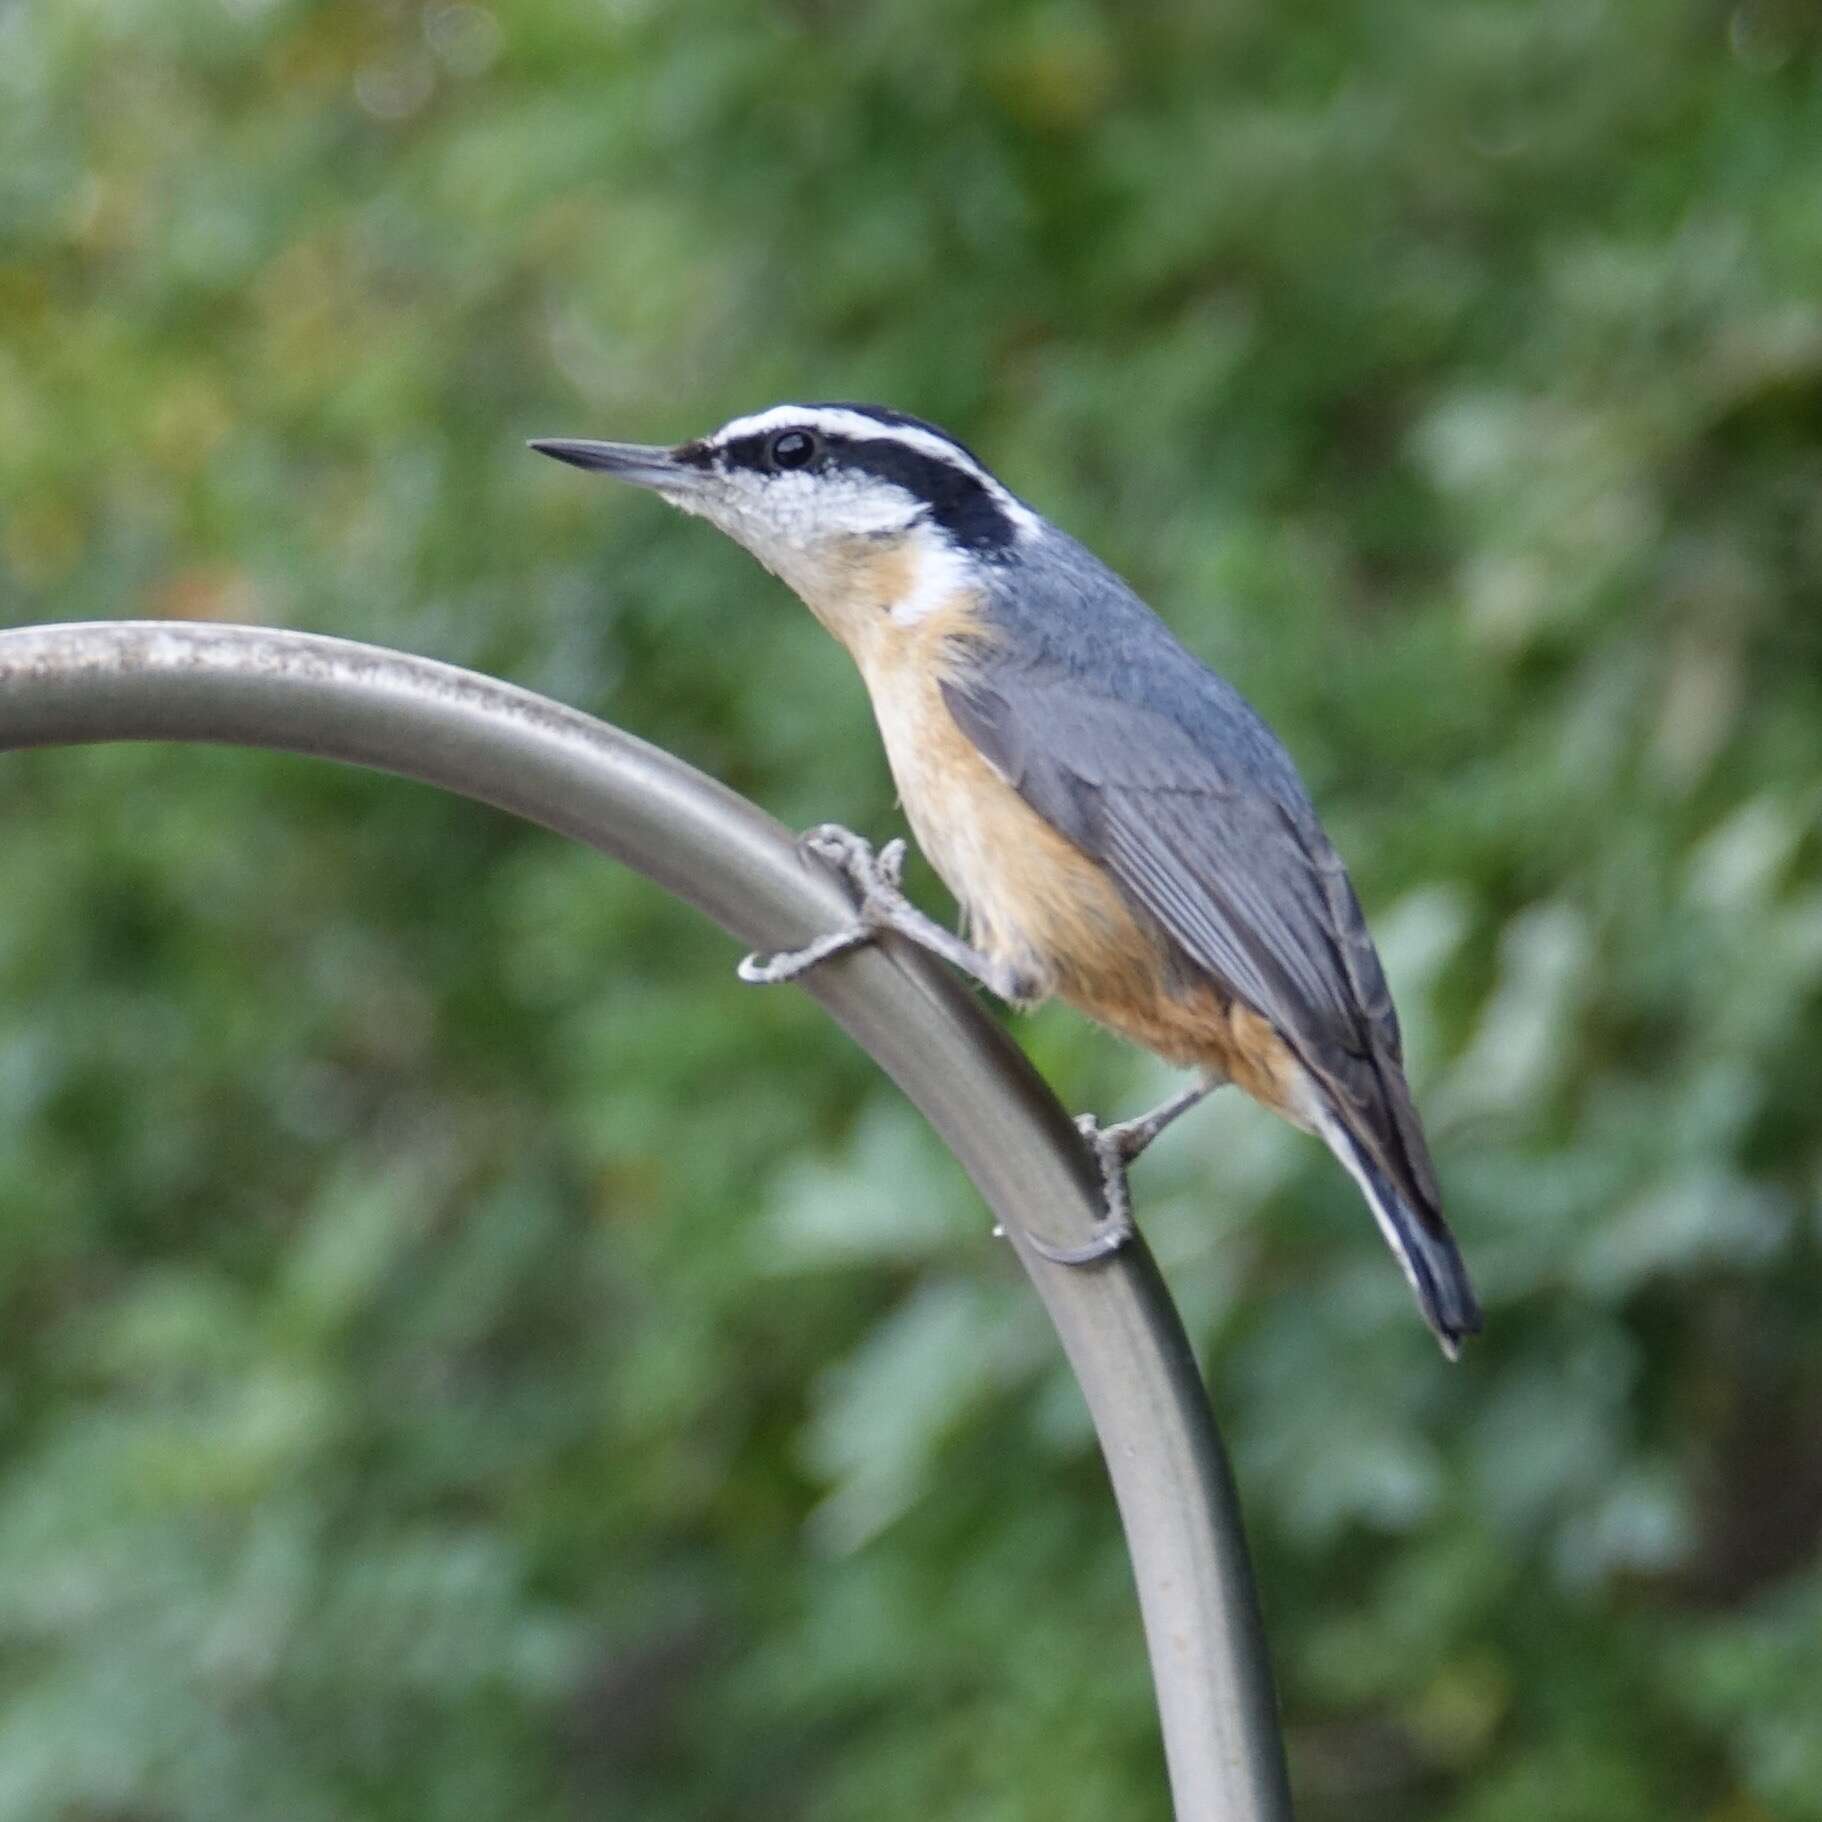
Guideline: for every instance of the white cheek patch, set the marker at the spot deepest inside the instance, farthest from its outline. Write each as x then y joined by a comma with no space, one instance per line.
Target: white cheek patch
939,574
778,517
854,506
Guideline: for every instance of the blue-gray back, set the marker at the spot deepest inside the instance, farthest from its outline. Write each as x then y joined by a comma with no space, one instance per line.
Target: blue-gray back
1148,760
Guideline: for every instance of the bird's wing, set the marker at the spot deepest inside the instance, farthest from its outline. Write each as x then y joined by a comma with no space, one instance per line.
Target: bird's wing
1222,849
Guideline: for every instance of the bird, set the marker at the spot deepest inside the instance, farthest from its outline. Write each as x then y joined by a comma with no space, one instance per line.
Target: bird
1119,826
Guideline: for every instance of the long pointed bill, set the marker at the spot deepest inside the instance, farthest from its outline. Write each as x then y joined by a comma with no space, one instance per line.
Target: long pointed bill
643,464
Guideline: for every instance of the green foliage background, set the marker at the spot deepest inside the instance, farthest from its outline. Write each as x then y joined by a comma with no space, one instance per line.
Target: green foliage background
460,1355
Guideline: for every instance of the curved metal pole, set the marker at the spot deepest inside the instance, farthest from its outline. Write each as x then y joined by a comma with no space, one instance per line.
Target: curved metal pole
126,680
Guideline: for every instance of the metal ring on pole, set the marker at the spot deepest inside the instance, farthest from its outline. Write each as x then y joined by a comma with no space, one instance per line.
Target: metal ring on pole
249,686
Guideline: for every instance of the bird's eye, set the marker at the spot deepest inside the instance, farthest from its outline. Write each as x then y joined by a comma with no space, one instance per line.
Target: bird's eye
793,449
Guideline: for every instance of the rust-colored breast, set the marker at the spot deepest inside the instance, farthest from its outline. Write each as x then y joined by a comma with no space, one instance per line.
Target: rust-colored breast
1035,899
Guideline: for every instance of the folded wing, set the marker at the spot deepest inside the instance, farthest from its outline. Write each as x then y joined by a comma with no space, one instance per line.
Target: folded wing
1199,817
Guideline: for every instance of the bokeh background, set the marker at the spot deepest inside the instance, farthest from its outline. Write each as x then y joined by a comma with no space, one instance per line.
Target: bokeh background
463,1357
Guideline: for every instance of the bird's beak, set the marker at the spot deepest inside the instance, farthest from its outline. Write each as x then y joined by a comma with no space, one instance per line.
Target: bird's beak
643,464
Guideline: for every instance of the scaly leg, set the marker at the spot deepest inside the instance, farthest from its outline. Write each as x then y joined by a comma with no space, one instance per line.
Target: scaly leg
883,907
1115,1147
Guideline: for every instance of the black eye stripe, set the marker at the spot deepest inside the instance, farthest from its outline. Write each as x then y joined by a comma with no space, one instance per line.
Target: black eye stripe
960,502
956,498
745,452
903,420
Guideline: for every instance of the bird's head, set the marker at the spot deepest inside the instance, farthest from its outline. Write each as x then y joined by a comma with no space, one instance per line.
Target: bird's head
863,511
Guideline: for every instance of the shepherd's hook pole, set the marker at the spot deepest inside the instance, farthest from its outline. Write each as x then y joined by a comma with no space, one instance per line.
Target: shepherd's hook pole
250,686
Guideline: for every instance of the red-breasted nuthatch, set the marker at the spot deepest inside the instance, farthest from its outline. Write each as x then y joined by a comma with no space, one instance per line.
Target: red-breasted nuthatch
1118,824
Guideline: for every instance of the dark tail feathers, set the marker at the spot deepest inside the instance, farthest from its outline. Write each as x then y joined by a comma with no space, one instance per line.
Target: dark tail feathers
1421,1241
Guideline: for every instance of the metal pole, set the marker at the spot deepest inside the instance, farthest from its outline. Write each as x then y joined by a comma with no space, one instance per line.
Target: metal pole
247,686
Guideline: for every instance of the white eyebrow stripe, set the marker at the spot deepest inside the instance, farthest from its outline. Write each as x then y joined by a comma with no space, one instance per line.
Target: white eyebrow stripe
833,421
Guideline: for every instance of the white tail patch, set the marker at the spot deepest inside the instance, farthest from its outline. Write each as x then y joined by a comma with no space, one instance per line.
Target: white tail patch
1339,1141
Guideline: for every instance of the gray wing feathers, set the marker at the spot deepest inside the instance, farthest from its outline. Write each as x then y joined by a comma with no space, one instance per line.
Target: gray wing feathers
1221,866
1222,876
1222,849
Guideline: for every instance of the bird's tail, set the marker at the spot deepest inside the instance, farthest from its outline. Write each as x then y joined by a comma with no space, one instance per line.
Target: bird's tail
1419,1238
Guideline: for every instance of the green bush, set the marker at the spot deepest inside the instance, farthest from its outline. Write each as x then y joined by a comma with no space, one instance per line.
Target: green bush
465,1357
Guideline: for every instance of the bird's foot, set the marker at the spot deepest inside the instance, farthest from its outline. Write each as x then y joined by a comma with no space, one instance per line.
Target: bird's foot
882,907
1130,1137
1107,1144
874,877
1113,1149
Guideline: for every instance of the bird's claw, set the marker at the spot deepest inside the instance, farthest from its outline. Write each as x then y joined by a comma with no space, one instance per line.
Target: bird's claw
1106,1144
1115,1146
874,875
1112,1149
853,857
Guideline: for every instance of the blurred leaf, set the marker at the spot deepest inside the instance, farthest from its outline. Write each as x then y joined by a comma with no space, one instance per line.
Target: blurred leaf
464,1356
